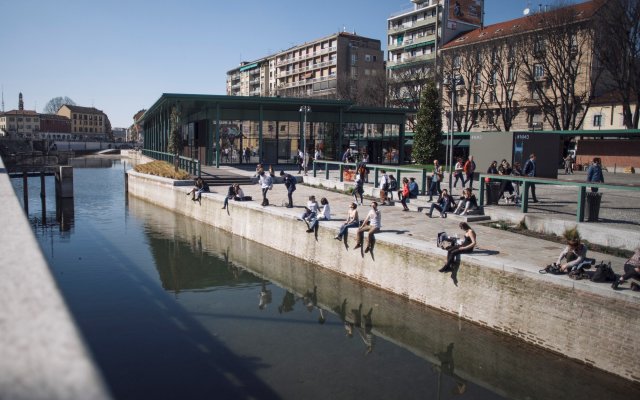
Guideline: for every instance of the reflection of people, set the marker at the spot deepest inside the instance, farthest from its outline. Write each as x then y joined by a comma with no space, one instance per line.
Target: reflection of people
447,367
310,300
265,297
288,302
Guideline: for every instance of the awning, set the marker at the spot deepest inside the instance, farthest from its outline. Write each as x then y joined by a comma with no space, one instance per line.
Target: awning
248,67
414,46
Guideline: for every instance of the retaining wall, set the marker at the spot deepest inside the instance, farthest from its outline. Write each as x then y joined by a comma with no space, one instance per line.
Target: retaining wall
588,323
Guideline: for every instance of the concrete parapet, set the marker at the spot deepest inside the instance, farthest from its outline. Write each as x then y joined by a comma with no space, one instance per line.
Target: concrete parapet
581,320
42,355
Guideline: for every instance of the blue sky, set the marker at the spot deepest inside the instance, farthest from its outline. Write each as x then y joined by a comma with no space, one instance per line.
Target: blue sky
120,56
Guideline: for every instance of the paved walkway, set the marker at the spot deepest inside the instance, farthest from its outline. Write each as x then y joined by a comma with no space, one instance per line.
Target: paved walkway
496,246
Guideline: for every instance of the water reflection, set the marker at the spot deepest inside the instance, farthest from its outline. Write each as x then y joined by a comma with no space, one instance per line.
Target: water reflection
173,308
484,360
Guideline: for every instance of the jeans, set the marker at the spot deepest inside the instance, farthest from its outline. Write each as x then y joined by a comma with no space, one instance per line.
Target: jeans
469,180
630,272
290,191
459,177
314,222
443,208
264,195
434,188
533,192
345,228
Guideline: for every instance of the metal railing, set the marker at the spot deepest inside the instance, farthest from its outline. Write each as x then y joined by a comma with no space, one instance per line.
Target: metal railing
376,171
527,181
191,165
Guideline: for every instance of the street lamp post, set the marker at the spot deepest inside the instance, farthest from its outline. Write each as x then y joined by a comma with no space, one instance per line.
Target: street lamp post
452,81
304,110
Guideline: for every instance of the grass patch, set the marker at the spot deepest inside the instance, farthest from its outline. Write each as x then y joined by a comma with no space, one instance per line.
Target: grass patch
163,169
521,228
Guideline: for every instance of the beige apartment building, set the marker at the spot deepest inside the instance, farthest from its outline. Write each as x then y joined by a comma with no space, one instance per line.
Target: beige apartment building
532,73
86,121
343,65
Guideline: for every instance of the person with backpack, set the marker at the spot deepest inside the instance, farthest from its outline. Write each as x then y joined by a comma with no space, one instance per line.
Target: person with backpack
393,186
469,168
358,191
384,187
290,183
436,178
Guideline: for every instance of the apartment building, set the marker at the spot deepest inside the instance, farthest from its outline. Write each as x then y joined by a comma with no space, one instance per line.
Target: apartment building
414,38
20,122
343,65
531,73
88,121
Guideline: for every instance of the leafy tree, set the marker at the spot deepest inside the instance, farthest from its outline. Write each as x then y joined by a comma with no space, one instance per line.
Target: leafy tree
428,125
54,104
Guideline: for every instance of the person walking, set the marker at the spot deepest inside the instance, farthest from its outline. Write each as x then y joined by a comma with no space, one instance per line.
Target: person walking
384,186
290,184
436,178
568,164
594,174
358,191
469,169
404,194
458,169
530,171
371,224
266,183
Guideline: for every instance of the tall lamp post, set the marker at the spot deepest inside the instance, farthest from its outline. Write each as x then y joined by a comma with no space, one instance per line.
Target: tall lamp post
452,81
304,110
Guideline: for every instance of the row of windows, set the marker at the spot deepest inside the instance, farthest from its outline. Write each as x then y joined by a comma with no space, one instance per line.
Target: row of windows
88,117
20,119
89,130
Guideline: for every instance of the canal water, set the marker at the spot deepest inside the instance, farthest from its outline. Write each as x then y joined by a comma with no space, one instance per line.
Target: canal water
171,308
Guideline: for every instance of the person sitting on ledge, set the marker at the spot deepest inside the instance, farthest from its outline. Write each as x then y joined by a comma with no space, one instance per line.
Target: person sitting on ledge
352,221
631,271
325,215
574,254
372,224
442,205
467,246
231,193
200,187
467,203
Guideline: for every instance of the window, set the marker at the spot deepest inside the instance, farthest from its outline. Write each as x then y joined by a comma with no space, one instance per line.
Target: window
510,73
367,57
538,71
456,62
354,59
538,45
476,98
597,120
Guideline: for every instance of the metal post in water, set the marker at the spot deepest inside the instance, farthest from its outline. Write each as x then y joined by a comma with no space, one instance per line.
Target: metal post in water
43,197
25,192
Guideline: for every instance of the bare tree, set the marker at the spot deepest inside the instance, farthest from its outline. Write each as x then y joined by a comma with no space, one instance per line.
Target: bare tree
54,104
404,88
464,64
618,52
366,92
559,70
501,71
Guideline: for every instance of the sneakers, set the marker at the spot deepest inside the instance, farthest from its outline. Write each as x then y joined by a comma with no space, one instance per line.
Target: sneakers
446,268
367,249
429,215
443,215
357,246
615,284
309,230
338,238
635,287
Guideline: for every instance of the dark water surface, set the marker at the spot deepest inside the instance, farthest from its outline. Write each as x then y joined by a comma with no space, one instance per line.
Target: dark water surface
172,308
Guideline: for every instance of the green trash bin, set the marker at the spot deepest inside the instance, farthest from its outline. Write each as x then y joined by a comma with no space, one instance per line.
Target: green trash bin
593,206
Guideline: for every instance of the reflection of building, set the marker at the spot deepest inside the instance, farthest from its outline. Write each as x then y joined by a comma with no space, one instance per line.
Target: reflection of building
342,65
20,122
88,121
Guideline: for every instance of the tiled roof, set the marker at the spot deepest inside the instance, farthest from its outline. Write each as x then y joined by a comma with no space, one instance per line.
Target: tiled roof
583,11
85,110
20,112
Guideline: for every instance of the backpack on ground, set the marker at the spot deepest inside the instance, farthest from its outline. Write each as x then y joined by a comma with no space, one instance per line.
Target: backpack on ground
604,273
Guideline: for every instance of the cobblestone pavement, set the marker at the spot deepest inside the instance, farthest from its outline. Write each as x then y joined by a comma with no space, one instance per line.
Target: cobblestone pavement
504,247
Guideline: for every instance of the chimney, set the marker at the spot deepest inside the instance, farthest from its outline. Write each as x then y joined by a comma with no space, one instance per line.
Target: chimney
20,102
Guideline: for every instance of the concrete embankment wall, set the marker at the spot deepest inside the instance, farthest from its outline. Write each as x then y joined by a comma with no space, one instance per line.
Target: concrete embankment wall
42,355
593,325
481,356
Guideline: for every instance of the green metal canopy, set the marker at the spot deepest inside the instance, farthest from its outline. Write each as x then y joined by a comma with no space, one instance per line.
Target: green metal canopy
414,46
248,67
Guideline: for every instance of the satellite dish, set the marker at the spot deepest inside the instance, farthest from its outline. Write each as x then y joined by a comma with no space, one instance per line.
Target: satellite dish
526,11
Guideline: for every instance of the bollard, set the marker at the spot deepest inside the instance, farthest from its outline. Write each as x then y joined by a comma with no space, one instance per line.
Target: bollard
64,182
